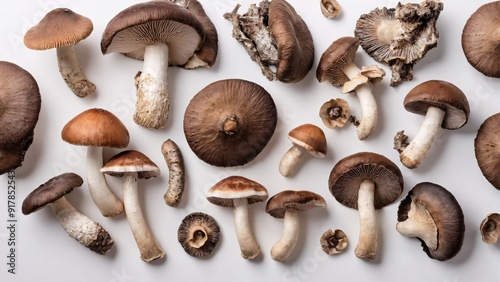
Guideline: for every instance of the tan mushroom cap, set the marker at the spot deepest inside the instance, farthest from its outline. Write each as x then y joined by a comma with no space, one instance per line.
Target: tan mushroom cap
490,228
443,95
487,149
330,8
334,112
291,200
236,187
340,53
310,137
59,27
131,161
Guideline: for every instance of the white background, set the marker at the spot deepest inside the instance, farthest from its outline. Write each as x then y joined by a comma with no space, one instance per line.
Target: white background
44,250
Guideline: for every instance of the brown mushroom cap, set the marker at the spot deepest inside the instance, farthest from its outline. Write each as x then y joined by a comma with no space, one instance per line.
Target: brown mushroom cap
131,161
490,228
340,53
198,234
335,112
236,187
299,201
446,213
487,149
310,137
443,95
481,39
348,174
233,116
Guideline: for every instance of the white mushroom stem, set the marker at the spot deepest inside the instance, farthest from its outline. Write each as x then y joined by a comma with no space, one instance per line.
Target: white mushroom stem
284,247
153,101
420,146
248,246
103,197
290,160
71,72
419,224
368,227
148,246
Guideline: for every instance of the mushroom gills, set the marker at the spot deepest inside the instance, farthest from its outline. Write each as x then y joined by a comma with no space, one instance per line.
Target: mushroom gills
198,234
419,224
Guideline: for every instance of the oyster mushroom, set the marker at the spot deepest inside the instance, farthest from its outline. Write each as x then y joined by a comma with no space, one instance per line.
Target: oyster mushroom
490,228
198,234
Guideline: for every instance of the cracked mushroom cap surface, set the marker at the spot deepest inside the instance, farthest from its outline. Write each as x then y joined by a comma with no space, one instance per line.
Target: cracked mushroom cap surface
348,174
487,149
131,161
340,53
198,234
443,95
310,137
236,187
291,200
446,213
229,122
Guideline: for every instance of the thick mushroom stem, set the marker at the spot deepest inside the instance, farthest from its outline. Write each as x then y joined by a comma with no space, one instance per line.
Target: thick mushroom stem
368,227
284,247
148,246
81,228
419,224
420,146
250,249
153,102
103,197
71,72
290,160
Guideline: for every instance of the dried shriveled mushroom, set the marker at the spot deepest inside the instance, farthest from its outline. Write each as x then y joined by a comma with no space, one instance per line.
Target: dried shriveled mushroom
335,112
487,149
330,8
198,234
333,242
433,215
490,228
176,174
400,37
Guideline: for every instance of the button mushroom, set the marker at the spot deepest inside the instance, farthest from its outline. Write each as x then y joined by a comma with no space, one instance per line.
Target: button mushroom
78,226
62,28
487,149
366,181
132,166
161,33
238,192
286,205
333,241
198,234
490,228
433,215
444,106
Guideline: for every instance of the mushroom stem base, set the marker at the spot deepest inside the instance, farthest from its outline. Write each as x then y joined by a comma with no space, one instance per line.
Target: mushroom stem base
290,160
368,229
248,246
71,72
284,247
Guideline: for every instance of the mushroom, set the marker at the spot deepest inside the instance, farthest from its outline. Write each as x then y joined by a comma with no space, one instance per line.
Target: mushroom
433,215
444,106
286,205
161,33
330,8
490,228
337,67
275,36
333,242
400,37
62,28
198,234
133,165
487,149
480,39
20,103
238,192
176,175
97,128
233,115
305,138
366,181
335,112
78,226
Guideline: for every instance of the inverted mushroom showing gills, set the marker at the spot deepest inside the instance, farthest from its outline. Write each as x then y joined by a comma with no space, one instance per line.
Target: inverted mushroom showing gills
20,104
78,226
161,33
330,8
490,228
198,234
487,149
400,37
62,28
444,106
275,37
229,122
333,241
366,181
433,215
335,112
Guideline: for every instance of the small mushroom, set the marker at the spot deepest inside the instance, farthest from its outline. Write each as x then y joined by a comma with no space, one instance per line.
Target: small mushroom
444,106
330,8
198,234
333,242
233,115
487,149
335,112
176,175
62,28
366,181
78,226
286,205
305,138
433,215
238,192
490,228
97,128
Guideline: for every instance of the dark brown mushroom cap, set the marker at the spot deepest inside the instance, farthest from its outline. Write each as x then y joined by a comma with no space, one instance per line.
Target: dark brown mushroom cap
293,40
481,39
229,122
236,187
310,137
443,95
96,127
446,213
348,174
59,27
131,161
487,149
153,22
198,234
52,190
340,53
291,200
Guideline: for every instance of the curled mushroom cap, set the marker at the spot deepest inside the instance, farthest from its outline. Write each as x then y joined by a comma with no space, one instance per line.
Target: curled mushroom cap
333,241
487,149
481,40
433,215
490,228
335,112
198,234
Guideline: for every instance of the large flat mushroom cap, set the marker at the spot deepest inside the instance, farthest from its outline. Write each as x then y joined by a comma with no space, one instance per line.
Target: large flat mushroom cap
131,161
291,200
229,122
236,187
340,53
487,149
348,174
